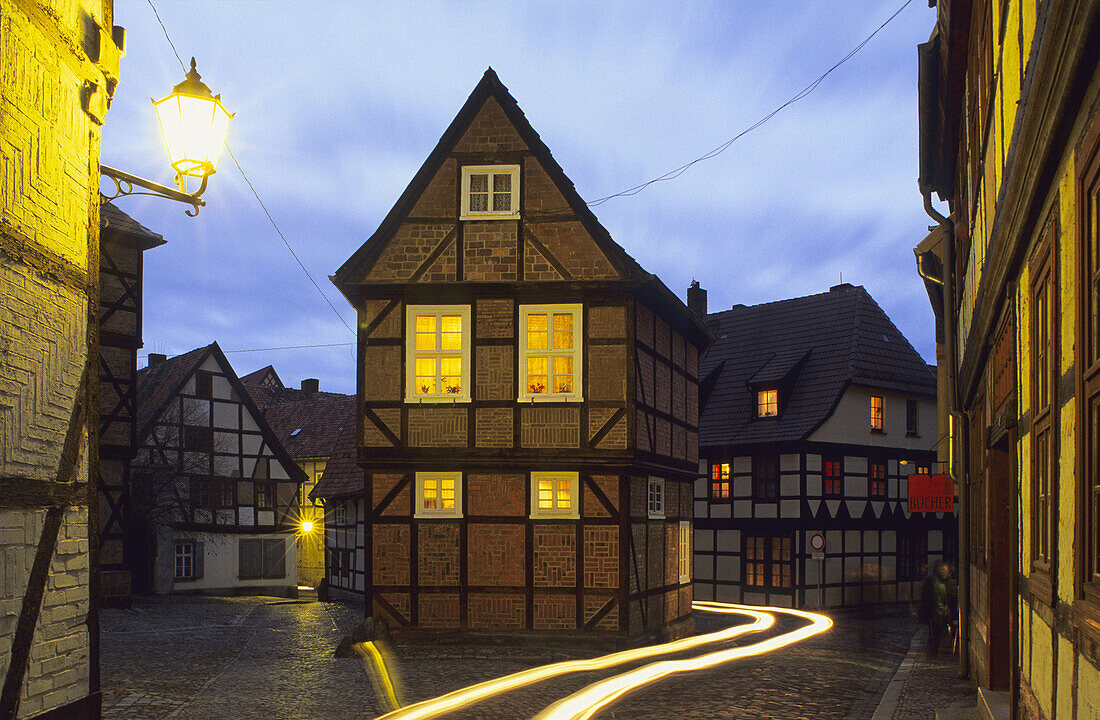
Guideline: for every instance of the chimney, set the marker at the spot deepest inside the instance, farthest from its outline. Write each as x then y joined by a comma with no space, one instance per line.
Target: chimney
156,358
697,299
310,387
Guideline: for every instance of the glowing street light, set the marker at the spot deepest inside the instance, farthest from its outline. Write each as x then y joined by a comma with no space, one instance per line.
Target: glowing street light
194,124
307,526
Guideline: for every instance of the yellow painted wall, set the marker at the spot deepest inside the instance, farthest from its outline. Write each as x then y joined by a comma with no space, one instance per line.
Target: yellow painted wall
311,546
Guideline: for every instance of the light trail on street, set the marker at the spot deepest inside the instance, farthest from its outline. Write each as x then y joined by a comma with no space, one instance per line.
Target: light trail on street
588,701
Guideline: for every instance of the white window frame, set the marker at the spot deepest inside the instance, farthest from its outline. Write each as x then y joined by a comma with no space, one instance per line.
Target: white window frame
685,551
761,402
881,426
411,313
467,214
573,512
185,551
577,311
422,512
340,515
655,498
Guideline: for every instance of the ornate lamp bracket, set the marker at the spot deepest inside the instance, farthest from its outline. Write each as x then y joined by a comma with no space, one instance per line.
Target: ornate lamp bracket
125,183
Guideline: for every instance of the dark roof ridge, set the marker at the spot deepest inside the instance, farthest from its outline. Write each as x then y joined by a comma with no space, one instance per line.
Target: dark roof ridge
742,307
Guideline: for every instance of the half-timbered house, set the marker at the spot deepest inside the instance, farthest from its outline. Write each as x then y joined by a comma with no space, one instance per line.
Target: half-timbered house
528,401
815,412
122,242
211,483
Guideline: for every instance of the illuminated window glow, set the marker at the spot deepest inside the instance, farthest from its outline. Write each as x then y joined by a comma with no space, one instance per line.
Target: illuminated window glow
720,481
832,476
550,357
554,495
490,192
438,353
878,412
767,403
768,561
438,494
877,474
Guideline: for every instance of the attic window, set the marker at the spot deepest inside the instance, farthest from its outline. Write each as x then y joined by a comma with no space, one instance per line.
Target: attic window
490,192
767,402
295,432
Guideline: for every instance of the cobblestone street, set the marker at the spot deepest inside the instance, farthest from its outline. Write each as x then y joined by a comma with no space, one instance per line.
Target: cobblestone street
269,659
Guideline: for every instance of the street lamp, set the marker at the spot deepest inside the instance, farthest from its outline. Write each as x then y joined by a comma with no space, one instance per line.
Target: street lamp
194,124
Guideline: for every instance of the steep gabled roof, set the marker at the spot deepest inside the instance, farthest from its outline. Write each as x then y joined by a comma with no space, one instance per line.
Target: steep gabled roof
826,342
257,376
117,225
157,384
490,86
342,476
308,424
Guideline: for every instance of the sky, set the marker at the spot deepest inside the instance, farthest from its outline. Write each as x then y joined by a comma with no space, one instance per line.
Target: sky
339,103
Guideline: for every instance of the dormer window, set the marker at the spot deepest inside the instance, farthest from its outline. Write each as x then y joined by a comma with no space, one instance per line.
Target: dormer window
767,402
490,192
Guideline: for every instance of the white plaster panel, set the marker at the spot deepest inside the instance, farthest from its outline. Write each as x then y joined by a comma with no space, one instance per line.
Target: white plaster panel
742,508
196,412
220,387
789,486
813,571
249,466
813,463
703,466
892,488
781,601
704,540
226,465
278,472
855,508
225,442
248,422
265,517
742,464
815,507
833,506
812,599
855,486
790,463
853,567
728,567
727,593
755,598
935,540
703,591
834,542
852,541
789,508
210,365
720,510
766,510
704,567
833,570
226,416
876,508
813,486
701,488
833,597
855,465
226,517
250,444
701,508
889,541
742,487
247,515
729,541
889,568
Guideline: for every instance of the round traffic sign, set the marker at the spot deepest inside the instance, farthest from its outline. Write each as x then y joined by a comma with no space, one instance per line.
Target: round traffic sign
817,541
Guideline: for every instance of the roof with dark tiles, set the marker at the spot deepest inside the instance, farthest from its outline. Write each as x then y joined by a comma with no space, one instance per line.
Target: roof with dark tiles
116,223
157,383
307,424
819,344
342,476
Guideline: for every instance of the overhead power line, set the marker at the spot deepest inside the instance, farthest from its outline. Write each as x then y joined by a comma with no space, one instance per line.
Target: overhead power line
284,347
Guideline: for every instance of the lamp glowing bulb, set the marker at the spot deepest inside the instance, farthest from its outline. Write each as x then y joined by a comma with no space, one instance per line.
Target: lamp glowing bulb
307,526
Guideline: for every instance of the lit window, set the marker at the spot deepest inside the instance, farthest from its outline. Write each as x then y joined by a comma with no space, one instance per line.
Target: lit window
554,495
877,412
832,476
767,403
438,494
550,357
768,561
685,551
185,560
923,470
656,498
437,358
490,192
720,481
877,474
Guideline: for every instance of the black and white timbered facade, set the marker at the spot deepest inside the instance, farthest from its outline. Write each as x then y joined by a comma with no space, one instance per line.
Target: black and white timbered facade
212,487
815,412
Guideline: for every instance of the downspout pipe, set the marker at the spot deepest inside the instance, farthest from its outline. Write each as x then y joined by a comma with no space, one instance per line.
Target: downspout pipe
956,469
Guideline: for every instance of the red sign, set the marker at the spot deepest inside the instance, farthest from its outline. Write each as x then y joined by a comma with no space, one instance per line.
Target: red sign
931,493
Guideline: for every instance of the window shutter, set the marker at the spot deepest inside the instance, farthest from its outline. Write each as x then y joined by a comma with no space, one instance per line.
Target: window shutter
274,559
198,560
250,560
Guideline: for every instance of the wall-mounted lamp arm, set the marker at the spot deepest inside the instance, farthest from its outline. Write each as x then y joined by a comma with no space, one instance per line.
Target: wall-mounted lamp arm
125,182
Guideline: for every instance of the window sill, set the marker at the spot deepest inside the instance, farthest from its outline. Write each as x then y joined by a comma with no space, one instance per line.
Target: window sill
655,516
456,400
489,216
549,399
1038,583
429,516
878,431
912,435
563,516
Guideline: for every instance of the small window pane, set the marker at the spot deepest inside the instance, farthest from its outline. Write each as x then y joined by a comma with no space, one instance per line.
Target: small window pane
536,332
452,332
563,331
